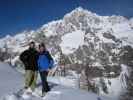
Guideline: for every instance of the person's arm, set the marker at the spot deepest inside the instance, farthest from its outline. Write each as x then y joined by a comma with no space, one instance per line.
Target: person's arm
49,55
51,61
24,56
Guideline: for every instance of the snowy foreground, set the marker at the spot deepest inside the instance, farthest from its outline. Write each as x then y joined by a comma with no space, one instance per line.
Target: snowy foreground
12,81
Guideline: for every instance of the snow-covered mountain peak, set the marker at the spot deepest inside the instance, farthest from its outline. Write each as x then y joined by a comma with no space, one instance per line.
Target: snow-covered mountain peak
79,11
79,19
103,28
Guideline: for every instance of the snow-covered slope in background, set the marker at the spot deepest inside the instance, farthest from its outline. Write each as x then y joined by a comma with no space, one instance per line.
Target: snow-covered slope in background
72,41
76,23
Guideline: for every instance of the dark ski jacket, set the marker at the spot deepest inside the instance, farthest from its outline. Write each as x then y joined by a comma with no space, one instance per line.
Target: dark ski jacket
29,58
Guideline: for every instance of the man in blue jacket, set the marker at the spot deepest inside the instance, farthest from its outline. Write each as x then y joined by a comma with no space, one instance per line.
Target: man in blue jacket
45,63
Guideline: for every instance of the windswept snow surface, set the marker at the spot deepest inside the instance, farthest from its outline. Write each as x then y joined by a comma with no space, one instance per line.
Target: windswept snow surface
10,80
65,93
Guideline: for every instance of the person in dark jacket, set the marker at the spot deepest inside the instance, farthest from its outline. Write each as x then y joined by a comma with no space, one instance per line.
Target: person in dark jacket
29,58
45,63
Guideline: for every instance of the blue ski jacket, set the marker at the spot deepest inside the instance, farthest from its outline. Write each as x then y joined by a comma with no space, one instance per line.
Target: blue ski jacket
45,61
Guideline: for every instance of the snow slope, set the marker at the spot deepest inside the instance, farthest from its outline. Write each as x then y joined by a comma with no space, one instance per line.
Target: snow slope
71,41
12,81
65,93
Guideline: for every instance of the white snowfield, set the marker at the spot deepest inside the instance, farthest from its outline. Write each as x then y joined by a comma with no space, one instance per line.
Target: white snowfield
72,41
11,81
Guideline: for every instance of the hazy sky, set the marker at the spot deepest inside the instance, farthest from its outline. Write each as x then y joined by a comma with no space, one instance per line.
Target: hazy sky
19,15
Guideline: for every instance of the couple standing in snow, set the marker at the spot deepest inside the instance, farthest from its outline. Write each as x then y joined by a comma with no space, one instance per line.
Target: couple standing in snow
34,61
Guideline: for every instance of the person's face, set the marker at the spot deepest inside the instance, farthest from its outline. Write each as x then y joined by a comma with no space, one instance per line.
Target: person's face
32,45
41,49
